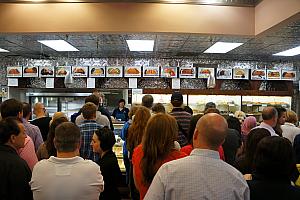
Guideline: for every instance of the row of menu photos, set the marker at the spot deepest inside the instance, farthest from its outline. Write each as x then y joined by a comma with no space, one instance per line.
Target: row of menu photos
168,72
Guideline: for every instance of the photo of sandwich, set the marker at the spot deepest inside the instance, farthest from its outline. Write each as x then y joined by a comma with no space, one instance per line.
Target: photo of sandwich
288,75
187,72
151,72
224,73
169,72
258,74
273,75
14,72
30,72
97,72
79,71
240,73
114,71
47,71
62,71
205,72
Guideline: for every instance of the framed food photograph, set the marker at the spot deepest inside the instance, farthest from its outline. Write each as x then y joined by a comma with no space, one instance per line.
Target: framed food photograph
46,71
288,75
15,71
150,71
239,73
258,74
204,72
96,71
135,71
61,71
30,71
168,72
224,73
78,71
116,71
273,75
187,72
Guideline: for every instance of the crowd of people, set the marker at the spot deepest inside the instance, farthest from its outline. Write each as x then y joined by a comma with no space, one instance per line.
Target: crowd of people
175,155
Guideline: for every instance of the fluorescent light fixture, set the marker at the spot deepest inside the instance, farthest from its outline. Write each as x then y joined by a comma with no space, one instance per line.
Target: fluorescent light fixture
222,47
3,50
58,45
140,45
290,52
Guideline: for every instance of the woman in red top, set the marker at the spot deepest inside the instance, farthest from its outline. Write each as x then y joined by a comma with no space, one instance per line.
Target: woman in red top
156,149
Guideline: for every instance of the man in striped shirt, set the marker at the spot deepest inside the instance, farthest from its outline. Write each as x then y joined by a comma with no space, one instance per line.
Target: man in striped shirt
182,117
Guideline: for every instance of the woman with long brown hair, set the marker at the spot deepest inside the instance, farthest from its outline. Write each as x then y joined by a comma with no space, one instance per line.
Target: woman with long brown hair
135,134
156,149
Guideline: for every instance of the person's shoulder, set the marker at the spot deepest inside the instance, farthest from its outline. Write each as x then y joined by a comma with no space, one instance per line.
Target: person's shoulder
89,165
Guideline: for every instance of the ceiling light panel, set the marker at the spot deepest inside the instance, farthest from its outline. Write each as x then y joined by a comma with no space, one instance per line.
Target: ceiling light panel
3,50
140,45
58,45
222,47
289,52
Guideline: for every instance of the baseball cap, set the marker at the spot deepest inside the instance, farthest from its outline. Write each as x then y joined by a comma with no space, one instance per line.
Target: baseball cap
177,96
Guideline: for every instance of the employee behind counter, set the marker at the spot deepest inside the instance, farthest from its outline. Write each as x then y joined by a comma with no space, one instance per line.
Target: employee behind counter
121,112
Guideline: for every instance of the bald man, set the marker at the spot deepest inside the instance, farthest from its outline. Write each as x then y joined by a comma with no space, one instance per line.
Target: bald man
41,121
202,175
270,116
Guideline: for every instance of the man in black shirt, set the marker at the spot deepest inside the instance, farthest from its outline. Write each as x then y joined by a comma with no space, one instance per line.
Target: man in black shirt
41,120
14,171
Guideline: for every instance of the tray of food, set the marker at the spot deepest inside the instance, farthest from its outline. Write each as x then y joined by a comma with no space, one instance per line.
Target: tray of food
258,74
114,71
14,71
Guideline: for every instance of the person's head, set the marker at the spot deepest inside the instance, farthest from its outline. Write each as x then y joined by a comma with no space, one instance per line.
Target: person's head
11,108
67,138
51,134
240,115
136,129
192,127
254,136
103,140
89,111
122,103
58,115
100,95
12,132
211,110
270,116
93,99
177,99
39,109
210,132
281,115
158,108
291,117
147,101
209,105
274,158
26,110
188,109
234,123
158,141
132,111
248,124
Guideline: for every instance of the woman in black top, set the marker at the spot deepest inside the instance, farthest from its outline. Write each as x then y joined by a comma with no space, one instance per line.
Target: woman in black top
102,143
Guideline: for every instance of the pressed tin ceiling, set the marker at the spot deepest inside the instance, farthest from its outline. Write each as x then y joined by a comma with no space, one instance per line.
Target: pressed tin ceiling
166,45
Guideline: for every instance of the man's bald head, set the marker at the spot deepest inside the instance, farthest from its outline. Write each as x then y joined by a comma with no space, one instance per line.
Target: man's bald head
39,109
270,115
210,132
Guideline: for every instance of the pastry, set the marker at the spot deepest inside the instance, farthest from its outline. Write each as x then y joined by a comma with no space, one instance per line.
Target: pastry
274,74
61,71
113,71
79,70
98,71
46,71
151,71
205,71
288,75
13,71
258,73
239,72
30,70
187,71
133,71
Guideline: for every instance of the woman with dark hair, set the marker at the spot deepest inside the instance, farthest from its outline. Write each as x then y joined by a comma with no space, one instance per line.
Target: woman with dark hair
121,112
245,161
102,143
48,149
280,120
273,167
156,149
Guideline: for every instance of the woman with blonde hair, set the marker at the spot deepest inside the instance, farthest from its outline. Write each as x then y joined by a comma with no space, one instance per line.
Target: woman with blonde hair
156,149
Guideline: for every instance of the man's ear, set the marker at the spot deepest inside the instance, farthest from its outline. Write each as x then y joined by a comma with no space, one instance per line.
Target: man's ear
20,115
54,142
195,136
12,138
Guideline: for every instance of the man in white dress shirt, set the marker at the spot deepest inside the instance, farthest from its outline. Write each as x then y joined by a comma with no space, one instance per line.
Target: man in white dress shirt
270,116
66,176
202,175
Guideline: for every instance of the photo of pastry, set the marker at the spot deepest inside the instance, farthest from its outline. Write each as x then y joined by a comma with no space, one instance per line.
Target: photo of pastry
132,72
258,74
97,71
273,75
114,71
79,71
288,75
46,71
14,72
205,72
240,73
224,73
30,72
62,71
151,72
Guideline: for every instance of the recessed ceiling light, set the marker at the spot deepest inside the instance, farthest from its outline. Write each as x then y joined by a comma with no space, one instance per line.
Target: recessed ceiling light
140,45
3,50
222,47
289,52
58,45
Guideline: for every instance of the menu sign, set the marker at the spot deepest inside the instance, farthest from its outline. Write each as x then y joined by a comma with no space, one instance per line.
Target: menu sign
224,73
151,72
187,72
46,71
97,71
288,75
240,73
114,71
273,75
14,71
132,72
169,72
62,71
30,72
205,72
258,74
79,71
